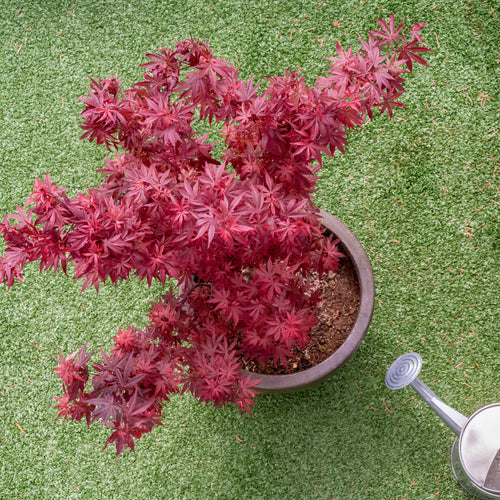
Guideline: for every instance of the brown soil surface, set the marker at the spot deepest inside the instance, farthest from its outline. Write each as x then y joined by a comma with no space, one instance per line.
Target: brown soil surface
337,313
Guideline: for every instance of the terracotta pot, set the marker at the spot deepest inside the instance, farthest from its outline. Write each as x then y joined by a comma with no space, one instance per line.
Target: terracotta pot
352,248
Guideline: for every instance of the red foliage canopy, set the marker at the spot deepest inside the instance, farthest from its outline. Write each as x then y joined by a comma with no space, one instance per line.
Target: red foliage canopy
241,236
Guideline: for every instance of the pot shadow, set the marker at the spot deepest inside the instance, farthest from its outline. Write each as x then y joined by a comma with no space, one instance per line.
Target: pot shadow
334,439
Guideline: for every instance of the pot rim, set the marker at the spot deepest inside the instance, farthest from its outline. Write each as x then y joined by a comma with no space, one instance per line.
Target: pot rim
298,381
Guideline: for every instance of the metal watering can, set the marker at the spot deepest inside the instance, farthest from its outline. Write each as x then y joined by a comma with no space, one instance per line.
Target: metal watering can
475,456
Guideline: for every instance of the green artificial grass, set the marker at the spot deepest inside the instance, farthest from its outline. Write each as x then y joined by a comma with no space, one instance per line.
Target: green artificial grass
421,192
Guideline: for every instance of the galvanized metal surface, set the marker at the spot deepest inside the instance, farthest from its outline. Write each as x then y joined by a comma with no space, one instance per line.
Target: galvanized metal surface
475,456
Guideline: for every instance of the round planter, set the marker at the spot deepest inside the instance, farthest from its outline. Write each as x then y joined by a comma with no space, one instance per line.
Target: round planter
352,248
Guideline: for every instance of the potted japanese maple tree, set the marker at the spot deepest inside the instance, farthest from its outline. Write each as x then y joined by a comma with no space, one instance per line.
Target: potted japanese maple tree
240,234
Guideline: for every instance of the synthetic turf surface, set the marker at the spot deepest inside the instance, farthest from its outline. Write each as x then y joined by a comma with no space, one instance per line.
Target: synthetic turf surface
421,192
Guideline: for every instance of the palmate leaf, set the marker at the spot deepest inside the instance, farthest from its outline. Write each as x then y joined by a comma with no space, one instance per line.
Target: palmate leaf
73,369
389,33
106,408
121,438
133,420
409,52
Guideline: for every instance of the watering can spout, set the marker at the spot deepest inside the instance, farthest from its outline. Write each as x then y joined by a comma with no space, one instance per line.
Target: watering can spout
404,371
452,418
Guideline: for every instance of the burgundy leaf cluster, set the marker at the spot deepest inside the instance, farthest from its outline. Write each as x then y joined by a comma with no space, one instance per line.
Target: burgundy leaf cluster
241,234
